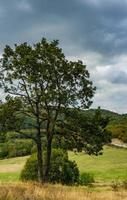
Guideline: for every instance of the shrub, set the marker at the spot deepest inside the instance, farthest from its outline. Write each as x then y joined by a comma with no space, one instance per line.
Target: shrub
115,186
14,148
124,184
86,179
19,147
62,170
3,150
29,171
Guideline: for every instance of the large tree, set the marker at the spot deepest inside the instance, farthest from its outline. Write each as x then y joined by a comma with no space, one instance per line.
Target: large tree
47,84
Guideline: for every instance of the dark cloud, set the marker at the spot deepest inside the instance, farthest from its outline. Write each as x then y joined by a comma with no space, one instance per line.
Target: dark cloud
91,30
97,28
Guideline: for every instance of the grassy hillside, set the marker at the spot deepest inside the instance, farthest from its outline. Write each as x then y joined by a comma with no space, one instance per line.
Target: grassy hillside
10,168
111,166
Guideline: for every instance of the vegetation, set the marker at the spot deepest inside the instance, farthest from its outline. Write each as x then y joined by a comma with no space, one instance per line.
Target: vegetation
62,170
111,166
78,131
23,191
108,167
45,107
117,123
15,148
10,169
47,85
89,132
86,179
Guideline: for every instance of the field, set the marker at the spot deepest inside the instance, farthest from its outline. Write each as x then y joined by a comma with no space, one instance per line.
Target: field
10,168
111,166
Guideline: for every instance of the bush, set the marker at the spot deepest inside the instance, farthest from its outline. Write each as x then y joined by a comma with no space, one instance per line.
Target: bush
62,170
124,184
29,171
3,150
19,147
115,186
86,179
15,148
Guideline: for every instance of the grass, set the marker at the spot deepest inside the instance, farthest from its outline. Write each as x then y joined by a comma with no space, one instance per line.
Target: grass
12,176
10,168
35,191
111,166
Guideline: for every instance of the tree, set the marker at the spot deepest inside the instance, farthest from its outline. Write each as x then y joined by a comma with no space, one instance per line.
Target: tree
12,135
9,119
47,84
88,132
62,169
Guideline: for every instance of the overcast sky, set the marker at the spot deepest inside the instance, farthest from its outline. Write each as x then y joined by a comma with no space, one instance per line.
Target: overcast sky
94,31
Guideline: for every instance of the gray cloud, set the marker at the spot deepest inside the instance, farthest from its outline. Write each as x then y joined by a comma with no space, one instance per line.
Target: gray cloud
120,78
91,30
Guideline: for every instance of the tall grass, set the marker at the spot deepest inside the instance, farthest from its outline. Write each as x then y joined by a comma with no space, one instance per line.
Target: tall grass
35,191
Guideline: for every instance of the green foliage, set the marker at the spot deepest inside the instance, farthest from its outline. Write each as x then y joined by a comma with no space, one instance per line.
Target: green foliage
89,133
119,130
47,84
30,169
117,123
61,141
19,148
3,150
62,170
86,179
9,118
15,148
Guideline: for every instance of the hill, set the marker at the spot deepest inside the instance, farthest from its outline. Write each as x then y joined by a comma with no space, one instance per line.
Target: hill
117,123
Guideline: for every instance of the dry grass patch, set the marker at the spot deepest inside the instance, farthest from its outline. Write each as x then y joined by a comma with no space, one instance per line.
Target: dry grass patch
11,168
35,191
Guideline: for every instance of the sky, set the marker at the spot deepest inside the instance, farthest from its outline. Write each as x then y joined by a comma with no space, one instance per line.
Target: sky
94,31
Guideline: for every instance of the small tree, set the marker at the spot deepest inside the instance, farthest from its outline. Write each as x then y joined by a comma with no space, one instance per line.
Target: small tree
9,119
47,84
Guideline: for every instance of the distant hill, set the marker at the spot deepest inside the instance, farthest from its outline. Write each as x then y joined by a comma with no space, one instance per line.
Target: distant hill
117,123
104,112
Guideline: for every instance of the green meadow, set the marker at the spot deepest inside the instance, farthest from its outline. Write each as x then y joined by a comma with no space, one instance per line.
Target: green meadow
10,168
111,166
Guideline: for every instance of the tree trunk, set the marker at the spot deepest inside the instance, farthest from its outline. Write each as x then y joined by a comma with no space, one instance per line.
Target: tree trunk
48,158
39,157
